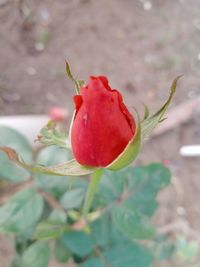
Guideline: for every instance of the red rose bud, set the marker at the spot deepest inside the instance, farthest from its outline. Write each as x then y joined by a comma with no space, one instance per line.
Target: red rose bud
102,126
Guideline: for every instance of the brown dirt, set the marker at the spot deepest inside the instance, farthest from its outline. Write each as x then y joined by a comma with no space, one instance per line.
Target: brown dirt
141,51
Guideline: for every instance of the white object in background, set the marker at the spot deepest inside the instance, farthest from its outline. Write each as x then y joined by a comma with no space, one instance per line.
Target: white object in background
190,151
28,125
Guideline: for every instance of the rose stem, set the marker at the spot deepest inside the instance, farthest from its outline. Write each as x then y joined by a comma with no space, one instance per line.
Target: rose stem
92,188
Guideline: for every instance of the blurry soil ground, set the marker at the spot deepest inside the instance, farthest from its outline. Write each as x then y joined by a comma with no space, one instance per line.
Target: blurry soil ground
140,45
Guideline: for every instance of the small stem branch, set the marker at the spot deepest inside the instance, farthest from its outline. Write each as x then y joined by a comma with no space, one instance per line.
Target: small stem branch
92,188
50,200
10,189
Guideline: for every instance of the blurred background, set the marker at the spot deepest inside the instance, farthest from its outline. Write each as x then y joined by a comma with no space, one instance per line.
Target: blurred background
141,46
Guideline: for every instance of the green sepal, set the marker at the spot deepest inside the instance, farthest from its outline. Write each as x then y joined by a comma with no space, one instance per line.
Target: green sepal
146,112
78,83
144,129
70,168
130,152
149,123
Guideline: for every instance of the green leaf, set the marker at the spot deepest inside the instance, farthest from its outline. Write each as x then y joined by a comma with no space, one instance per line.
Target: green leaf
51,183
49,136
101,230
128,254
93,262
70,168
78,183
78,243
110,189
149,123
62,254
12,138
58,215
21,212
105,233
107,236
145,183
53,227
8,170
131,194
73,198
22,241
49,230
37,254
131,222
150,178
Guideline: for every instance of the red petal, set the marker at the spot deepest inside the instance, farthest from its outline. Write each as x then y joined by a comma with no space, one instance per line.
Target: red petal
125,111
104,80
98,83
78,100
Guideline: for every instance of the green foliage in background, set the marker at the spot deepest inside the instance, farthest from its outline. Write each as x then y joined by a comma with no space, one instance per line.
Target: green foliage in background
45,219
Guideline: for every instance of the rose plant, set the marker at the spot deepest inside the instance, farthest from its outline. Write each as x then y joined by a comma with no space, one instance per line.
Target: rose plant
95,208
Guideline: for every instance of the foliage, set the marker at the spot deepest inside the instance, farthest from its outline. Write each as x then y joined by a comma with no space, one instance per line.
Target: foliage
47,217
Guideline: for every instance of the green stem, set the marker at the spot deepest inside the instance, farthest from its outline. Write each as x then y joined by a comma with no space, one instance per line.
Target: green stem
92,188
